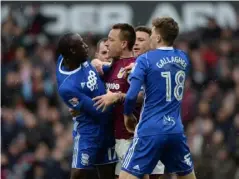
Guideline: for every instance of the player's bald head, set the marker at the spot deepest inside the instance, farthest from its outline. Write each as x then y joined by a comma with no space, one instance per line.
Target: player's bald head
72,46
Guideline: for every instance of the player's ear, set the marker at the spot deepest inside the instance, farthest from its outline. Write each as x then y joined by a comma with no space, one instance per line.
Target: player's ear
158,38
72,50
124,44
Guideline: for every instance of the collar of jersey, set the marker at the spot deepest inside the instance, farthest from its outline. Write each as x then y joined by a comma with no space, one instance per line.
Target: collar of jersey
165,48
68,72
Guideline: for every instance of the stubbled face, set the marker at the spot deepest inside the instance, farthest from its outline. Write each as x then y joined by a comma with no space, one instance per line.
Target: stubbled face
103,54
115,44
154,38
142,43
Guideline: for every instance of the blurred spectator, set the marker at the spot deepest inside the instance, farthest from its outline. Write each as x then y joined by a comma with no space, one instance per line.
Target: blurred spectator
212,31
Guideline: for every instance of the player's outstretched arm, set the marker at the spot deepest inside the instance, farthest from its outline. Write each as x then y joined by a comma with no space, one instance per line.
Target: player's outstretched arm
101,67
111,98
131,96
79,102
130,102
104,101
137,79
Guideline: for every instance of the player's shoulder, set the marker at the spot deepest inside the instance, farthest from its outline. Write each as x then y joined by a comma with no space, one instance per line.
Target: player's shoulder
146,57
58,62
142,56
87,64
181,52
149,54
67,86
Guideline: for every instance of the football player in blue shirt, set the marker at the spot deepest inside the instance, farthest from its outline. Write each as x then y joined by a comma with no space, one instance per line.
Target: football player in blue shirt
159,134
78,82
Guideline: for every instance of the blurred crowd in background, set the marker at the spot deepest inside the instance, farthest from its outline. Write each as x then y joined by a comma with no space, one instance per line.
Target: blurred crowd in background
36,126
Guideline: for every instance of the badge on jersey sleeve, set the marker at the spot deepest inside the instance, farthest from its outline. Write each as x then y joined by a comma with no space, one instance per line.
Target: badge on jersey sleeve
121,73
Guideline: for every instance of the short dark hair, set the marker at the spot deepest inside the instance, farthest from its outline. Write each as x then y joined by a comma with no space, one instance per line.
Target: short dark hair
168,29
72,47
99,42
64,46
127,33
143,29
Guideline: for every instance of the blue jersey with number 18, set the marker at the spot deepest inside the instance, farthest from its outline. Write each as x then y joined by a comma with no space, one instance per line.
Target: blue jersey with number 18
163,72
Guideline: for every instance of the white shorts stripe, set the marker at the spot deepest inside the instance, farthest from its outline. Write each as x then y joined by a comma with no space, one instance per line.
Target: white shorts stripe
130,153
75,151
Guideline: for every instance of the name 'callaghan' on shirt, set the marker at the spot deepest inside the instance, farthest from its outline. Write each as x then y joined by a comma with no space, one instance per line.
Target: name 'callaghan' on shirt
172,59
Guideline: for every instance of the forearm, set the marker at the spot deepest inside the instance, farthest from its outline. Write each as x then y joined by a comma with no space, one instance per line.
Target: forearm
87,106
140,97
91,109
120,97
131,96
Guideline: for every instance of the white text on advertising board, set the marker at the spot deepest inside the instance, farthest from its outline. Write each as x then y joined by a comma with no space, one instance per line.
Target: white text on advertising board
99,18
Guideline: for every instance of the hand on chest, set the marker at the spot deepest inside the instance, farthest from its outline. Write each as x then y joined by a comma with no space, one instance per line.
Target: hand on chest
117,80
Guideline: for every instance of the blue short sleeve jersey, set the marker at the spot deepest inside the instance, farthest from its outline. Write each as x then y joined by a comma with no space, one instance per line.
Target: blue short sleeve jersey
162,73
77,88
93,132
159,134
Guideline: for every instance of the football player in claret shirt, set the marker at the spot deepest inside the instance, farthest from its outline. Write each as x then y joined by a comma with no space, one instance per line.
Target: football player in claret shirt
122,140
78,82
121,40
159,134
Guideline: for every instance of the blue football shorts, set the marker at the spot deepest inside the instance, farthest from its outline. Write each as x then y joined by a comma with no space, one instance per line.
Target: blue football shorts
89,152
145,152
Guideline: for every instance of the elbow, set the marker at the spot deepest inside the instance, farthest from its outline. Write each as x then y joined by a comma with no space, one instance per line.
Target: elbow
129,104
140,98
130,98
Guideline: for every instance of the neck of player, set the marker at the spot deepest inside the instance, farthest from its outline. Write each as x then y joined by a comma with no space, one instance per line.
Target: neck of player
71,66
126,54
160,45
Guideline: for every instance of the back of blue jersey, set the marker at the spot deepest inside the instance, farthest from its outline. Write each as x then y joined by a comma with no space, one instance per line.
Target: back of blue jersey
163,72
77,88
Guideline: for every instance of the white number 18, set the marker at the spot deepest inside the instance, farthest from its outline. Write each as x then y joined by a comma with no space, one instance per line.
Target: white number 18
179,85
